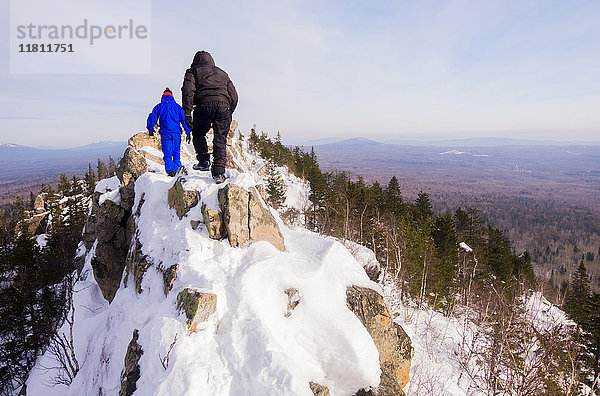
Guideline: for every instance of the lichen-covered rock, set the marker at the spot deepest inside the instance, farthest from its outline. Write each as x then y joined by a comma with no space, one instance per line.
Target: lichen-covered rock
246,218
131,373
262,224
111,225
180,199
197,307
319,390
393,344
169,276
213,222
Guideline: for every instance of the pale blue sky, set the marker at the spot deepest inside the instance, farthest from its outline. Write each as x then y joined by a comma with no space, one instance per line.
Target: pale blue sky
314,69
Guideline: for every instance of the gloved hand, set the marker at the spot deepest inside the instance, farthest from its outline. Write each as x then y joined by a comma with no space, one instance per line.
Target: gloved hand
188,138
151,133
188,120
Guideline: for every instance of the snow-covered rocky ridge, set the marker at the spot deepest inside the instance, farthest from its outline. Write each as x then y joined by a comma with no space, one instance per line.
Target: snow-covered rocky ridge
163,308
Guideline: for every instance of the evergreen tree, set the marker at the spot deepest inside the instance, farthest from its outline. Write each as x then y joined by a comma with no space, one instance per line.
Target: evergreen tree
498,254
423,206
275,186
112,166
577,300
90,179
102,170
64,185
393,197
446,247
592,338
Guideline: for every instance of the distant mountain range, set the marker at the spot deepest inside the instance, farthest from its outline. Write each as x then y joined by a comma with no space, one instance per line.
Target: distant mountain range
460,143
10,151
20,163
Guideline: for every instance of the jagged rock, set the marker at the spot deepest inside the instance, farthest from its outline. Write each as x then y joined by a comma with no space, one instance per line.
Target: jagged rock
169,276
137,265
293,300
213,222
131,166
38,223
111,225
233,201
182,200
246,219
393,344
195,224
143,139
263,226
197,307
39,205
319,390
131,373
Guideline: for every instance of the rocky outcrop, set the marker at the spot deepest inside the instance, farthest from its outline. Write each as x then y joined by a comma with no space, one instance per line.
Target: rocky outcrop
112,226
131,373
197,306
319,390
247,219
39,205
213,222
38,223
131,166
150,146
393,344
180,199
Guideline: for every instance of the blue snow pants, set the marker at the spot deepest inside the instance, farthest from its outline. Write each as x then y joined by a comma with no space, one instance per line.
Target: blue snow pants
171,146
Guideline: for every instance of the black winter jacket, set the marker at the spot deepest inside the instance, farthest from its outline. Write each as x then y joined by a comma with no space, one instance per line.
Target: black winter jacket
205,82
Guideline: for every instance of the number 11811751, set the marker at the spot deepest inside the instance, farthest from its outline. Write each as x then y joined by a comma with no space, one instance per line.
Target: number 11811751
46,48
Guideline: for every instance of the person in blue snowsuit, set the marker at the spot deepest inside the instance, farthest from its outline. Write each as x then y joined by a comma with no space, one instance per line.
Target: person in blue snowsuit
170,119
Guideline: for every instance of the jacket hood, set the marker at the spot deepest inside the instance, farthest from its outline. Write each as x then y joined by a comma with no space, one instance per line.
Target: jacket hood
167,98
203,58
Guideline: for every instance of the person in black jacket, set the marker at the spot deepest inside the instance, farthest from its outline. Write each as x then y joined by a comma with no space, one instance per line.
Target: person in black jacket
208,91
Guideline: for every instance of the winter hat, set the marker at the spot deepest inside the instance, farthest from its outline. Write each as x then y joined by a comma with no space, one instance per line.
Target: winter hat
167,92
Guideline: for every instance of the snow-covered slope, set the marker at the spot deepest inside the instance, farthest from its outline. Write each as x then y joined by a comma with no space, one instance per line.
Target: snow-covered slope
249,346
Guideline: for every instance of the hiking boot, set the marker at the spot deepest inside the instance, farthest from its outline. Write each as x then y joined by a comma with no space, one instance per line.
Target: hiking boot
202,165
219,178
172,173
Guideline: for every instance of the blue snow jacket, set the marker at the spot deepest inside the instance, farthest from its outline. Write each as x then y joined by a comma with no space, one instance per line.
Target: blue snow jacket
169,115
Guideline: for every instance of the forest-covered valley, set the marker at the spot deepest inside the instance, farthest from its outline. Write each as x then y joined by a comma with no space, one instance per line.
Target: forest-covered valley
544,197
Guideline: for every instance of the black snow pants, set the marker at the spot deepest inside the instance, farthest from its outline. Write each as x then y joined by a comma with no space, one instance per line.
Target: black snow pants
217,115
